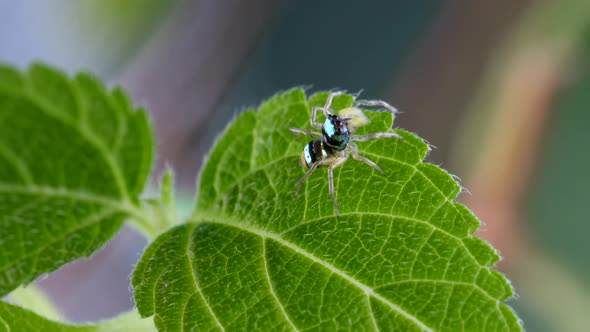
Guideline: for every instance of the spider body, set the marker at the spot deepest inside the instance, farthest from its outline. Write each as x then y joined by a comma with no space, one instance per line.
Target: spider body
335,144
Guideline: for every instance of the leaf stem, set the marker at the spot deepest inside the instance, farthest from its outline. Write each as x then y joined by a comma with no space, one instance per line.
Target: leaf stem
157,215
145,224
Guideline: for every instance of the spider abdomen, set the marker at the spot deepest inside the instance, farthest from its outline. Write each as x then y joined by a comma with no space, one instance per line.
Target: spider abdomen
314,151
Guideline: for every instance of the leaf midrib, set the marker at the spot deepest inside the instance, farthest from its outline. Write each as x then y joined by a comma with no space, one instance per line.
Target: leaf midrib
123,205
81,128
369,292
263,167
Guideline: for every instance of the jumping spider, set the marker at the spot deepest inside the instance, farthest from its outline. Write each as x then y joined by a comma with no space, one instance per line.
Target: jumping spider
335,144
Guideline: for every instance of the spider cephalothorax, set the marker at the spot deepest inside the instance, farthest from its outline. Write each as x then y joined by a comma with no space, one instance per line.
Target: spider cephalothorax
335,132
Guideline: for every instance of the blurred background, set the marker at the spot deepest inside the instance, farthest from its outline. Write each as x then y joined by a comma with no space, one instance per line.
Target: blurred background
501,88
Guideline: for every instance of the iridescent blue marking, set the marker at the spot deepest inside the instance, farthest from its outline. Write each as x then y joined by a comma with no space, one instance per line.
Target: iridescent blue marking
335,133
307,155
329,127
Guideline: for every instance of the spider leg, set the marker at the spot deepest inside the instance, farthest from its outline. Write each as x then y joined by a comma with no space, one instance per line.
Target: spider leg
357,156
372,136
329,100
376,103
312,120
312,169
325,109
306,132
331,168
372,103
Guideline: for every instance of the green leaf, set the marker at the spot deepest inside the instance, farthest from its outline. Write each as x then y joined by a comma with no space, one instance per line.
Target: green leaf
14,318
73,159
400,257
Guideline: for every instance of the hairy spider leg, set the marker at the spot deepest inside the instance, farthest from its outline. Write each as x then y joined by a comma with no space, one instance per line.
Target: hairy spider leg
373,103
306,132
376,103
357,156
325,109
313,167
338,162
372,136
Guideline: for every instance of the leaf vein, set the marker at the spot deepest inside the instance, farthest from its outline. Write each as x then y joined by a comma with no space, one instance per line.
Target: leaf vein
368,290
371,313
17,162
442,282
8,329
86,196
196,280
426,239
87,134
85,223
460,240
270,286
417,169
